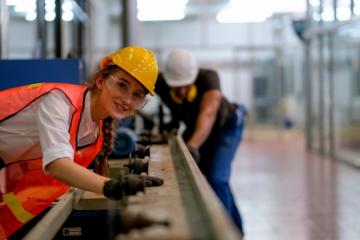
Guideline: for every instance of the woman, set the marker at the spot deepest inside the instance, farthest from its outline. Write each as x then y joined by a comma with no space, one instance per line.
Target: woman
50,133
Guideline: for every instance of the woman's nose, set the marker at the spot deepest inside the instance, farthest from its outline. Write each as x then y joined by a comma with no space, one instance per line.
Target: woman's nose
127,100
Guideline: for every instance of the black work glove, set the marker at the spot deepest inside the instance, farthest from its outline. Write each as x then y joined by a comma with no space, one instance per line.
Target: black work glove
153,181
129,184
123,186
194,153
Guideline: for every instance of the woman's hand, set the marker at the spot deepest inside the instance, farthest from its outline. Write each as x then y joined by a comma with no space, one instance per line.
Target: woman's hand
129,185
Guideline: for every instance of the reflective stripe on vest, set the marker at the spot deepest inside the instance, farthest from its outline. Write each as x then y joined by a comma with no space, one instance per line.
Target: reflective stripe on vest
26,191
16,208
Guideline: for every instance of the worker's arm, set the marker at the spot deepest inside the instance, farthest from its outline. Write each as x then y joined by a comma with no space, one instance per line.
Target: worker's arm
209,106
69,172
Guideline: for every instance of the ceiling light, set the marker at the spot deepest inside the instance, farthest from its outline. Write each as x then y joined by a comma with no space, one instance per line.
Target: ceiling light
343,13
25,6
169,10
11,2
245,11
67,6
67,16
327,15
50,16
30,16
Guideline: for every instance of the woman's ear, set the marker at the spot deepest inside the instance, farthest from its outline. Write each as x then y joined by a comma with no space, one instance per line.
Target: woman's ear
99,81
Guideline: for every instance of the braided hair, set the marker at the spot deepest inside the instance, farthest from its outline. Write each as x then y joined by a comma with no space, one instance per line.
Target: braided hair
101,164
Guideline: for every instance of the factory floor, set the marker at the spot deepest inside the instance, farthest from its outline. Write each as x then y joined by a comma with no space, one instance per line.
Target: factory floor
285,192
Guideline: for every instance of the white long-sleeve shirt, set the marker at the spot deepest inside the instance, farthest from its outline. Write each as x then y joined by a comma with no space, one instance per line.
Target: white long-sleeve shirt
42,130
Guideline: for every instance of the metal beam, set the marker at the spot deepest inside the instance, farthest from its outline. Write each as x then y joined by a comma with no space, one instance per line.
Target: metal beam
4,24
307,83
58,27
50,224
186,201
129,23
41,38
207,218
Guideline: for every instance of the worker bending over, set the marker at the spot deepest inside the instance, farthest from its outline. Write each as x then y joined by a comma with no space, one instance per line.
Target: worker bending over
213,125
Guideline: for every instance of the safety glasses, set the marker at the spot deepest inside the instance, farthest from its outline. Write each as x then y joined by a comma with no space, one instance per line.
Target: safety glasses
121,87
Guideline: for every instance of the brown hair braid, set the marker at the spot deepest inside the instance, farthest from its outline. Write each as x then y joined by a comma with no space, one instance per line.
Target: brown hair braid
102,166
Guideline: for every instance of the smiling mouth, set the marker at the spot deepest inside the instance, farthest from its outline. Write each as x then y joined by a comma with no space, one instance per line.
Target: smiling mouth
120,107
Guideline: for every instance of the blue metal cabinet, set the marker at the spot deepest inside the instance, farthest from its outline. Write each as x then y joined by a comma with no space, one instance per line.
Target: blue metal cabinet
14,73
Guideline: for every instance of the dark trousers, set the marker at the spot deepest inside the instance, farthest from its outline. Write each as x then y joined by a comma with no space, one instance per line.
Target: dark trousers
216,160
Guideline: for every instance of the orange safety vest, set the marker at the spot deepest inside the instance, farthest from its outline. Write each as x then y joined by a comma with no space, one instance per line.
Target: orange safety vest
28,191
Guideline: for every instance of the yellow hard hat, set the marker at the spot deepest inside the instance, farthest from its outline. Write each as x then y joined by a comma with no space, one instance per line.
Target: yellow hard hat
138,62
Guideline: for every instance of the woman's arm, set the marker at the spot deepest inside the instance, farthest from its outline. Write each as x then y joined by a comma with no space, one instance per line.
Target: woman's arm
69,172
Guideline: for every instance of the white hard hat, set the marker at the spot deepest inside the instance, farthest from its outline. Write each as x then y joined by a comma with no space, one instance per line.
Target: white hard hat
181,68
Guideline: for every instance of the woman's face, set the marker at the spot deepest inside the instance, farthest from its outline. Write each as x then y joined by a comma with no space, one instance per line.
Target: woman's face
121,94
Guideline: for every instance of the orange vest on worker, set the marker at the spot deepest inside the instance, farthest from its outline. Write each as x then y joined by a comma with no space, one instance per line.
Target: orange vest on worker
27,190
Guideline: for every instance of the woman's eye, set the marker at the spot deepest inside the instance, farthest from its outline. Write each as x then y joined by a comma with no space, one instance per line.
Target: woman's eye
138,96
122,86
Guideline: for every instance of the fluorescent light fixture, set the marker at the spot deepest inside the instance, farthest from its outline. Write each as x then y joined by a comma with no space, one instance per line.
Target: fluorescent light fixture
50,16
286,6
161,10
11,2
245,11
25,6
30,16
28,7
357,10
343,13
316,16
67,16
67,6
49,5
315,3
327,15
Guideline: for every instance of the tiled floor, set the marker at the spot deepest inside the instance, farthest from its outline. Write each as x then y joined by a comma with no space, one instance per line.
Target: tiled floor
285,193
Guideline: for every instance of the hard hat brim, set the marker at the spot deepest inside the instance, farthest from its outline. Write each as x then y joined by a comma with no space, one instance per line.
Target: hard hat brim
172,82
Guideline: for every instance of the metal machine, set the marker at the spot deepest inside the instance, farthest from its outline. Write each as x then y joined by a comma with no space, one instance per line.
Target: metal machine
184,207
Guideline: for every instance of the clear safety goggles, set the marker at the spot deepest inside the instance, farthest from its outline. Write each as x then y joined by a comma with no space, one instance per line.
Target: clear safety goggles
123,88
